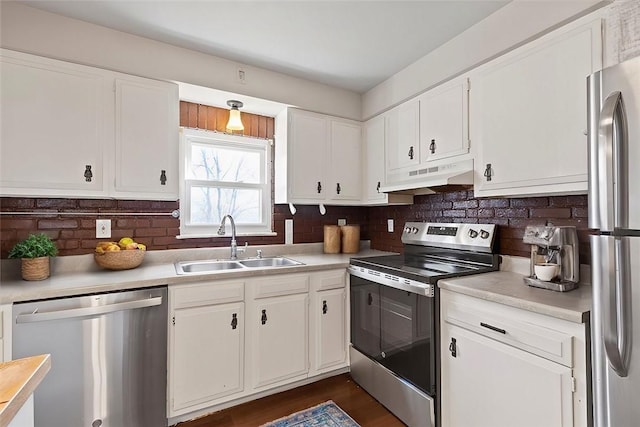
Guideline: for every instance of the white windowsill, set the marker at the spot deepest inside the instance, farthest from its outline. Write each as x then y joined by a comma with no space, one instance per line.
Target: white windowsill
200,236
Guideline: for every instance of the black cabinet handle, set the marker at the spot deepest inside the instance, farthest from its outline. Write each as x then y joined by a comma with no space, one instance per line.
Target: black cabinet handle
338,188
369,299
87,173
234,320
453,348
432,146
488,172
319,187
378,187
493,328
325,308
411,152
263,319
163,177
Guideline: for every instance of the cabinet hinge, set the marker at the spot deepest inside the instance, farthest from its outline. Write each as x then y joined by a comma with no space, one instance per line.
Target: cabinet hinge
468,85
573,384
173,320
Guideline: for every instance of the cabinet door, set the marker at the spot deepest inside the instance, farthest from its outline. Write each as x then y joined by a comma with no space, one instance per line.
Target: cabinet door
346,154
207,355
146,161
490,384
529,115
308,136
444,121
329,334
54,127
402,139
279,329
374,147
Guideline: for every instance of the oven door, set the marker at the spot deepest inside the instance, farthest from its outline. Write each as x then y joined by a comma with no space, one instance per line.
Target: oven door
396,328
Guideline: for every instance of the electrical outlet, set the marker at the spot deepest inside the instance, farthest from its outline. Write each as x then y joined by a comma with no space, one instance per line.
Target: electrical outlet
342,221
103,228
390,225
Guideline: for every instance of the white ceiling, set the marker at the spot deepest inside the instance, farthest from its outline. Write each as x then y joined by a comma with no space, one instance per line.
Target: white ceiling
348,44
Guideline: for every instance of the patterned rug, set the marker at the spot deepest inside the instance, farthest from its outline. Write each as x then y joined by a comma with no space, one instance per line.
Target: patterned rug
326,414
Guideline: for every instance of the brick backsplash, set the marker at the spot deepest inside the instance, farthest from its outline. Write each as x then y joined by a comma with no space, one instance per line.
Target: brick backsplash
511,216
75,234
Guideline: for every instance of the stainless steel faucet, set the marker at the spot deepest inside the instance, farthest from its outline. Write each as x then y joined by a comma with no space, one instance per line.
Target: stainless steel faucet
221,232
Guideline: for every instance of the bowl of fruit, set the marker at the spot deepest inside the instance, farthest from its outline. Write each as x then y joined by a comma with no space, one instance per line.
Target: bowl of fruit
122,255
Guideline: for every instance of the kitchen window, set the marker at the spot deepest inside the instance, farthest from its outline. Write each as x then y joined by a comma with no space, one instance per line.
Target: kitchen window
224,174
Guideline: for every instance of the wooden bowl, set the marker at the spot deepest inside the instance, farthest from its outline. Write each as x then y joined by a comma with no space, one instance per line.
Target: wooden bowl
120,260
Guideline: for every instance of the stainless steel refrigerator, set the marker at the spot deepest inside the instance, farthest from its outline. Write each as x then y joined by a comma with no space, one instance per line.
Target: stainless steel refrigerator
614,210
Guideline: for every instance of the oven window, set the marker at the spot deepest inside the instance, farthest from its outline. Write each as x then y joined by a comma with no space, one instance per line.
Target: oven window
406,323
395,328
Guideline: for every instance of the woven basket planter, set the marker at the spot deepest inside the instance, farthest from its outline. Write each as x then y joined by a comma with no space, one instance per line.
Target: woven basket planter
35,268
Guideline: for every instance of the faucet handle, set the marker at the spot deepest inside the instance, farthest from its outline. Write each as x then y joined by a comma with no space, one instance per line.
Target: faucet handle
259,253
244,249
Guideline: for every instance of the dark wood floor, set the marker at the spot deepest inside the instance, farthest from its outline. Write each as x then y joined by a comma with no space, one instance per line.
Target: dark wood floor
363,408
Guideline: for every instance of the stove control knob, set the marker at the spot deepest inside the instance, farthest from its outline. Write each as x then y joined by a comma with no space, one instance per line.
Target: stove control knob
473,233
484,234
414,230
407,230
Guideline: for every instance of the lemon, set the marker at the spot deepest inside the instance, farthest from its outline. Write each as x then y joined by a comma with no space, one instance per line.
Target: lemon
125,241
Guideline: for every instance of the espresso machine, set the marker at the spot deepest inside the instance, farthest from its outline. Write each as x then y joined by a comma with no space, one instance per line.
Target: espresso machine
554,257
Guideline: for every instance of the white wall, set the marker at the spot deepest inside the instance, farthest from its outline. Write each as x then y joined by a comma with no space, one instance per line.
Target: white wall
30,30
514,24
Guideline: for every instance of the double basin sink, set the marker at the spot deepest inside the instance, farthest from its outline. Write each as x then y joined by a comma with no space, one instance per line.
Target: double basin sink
203,267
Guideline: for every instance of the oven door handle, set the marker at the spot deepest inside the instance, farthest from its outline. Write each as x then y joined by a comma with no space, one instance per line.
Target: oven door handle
396,282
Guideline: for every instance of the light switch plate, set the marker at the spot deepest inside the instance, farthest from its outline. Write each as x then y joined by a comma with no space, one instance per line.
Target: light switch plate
390,225
103,228
342,221
288,231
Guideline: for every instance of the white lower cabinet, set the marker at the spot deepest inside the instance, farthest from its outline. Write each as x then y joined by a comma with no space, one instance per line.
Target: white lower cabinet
279,348
328,321
206,344
502,366
231,339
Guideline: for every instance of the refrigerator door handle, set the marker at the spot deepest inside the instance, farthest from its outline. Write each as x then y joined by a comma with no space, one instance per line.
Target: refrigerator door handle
616,304
612,173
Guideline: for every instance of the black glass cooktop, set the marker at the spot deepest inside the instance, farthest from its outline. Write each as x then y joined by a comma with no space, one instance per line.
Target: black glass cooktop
422,268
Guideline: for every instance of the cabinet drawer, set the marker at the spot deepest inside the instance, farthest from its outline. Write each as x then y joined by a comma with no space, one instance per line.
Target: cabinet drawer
206,293
280,285
328,280
539,340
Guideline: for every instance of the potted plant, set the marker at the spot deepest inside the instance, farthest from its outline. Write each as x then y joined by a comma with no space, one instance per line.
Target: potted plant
34,251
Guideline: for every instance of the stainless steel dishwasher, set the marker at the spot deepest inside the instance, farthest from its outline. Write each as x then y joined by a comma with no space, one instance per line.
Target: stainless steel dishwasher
108,356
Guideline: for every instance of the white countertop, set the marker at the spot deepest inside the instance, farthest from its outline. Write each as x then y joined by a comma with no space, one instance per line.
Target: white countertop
509,288
76,275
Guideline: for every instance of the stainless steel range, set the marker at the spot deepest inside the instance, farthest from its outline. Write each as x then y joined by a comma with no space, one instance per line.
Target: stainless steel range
395,313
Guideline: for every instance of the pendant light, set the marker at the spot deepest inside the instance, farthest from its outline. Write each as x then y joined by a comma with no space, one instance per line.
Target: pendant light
234,123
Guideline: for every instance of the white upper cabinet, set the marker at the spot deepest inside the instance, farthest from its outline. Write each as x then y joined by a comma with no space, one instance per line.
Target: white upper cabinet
146,138
54,132
529,115
318,159
374,161
74,131
444,114
402,136
346,160
427,140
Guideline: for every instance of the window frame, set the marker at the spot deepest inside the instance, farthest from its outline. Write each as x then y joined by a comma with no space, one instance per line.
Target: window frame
189,136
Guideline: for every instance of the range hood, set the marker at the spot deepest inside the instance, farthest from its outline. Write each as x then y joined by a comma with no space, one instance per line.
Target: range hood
431,179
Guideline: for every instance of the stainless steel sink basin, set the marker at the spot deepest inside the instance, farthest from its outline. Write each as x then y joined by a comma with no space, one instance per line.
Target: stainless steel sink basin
195,267
204,267
269,262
